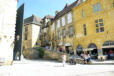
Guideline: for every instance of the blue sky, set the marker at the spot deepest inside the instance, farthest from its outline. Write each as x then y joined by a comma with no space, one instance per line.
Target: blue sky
42,7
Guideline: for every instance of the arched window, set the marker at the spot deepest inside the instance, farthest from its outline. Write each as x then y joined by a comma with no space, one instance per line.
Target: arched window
79,50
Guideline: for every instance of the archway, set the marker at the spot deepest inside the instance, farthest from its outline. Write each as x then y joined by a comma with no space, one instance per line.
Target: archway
79,50
67,47
92,50
108,49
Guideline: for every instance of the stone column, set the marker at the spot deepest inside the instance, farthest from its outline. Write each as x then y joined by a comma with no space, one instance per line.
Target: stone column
7,30
100,54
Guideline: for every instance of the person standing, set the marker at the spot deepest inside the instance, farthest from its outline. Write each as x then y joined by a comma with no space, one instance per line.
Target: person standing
63,59
85,58
111,54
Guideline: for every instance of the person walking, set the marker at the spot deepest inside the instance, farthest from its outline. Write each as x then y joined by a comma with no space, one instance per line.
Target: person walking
85,58
63,59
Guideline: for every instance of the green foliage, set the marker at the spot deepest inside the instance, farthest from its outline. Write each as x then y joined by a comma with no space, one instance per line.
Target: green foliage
41,52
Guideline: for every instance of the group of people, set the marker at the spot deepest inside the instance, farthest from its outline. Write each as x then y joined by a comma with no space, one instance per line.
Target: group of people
111,54
86,58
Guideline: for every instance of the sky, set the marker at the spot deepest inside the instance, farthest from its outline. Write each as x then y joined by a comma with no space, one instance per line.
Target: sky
42,8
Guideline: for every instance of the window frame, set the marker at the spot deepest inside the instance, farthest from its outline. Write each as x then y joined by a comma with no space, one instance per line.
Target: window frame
63,21
71,31
26,33
83,13
59,35
97,7
69,17
85,29
64,33
99,27
58,23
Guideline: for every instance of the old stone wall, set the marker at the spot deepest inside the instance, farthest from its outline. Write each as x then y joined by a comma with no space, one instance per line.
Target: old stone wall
53,55
7,29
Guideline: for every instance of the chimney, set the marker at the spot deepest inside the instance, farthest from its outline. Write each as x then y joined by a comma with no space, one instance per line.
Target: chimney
56,12
81,1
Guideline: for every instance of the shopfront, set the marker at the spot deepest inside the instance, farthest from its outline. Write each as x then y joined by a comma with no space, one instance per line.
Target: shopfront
79,50
108,49
92,50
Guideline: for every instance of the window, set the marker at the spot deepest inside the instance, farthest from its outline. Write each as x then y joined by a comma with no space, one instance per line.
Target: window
63,21
113,3
64,33
26,33
58,23
102,29
44,36
97,30
94,7
53,27
71,32
99,25
84,26
45,30
83,13
69,17
97,7
59,35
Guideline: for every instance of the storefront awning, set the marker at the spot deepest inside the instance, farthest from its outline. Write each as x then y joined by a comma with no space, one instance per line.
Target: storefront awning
88,49
67,44
79,48
110,46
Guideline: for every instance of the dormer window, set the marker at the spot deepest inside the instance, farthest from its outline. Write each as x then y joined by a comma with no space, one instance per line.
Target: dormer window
83,13
97,7
69,17
63,21
58,23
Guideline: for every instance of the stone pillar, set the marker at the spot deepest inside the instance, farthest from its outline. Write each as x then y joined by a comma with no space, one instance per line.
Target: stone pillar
7,30
100,54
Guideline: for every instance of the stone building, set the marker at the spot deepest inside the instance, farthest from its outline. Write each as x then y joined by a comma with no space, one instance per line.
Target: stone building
62,28
31,33
45,31
94,28
7,30
85,26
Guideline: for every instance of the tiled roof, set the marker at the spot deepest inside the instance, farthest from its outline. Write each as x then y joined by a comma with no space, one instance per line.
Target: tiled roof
49,17
32,19
66,9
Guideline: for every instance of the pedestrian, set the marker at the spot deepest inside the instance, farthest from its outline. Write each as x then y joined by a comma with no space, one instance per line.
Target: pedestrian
85,58
111,54
60,49
63,59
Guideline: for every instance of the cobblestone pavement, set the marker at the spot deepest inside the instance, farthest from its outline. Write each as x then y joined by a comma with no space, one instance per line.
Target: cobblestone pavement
49,68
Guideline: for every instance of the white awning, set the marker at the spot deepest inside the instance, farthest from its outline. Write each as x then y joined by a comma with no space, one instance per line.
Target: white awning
88,49
111,46
67,44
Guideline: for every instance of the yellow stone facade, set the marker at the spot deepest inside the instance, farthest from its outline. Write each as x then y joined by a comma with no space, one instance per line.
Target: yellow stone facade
92,22
27,43
106,13
55,30
46,31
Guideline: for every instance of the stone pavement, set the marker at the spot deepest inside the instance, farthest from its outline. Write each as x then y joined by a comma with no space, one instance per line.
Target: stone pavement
106,62
50,68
